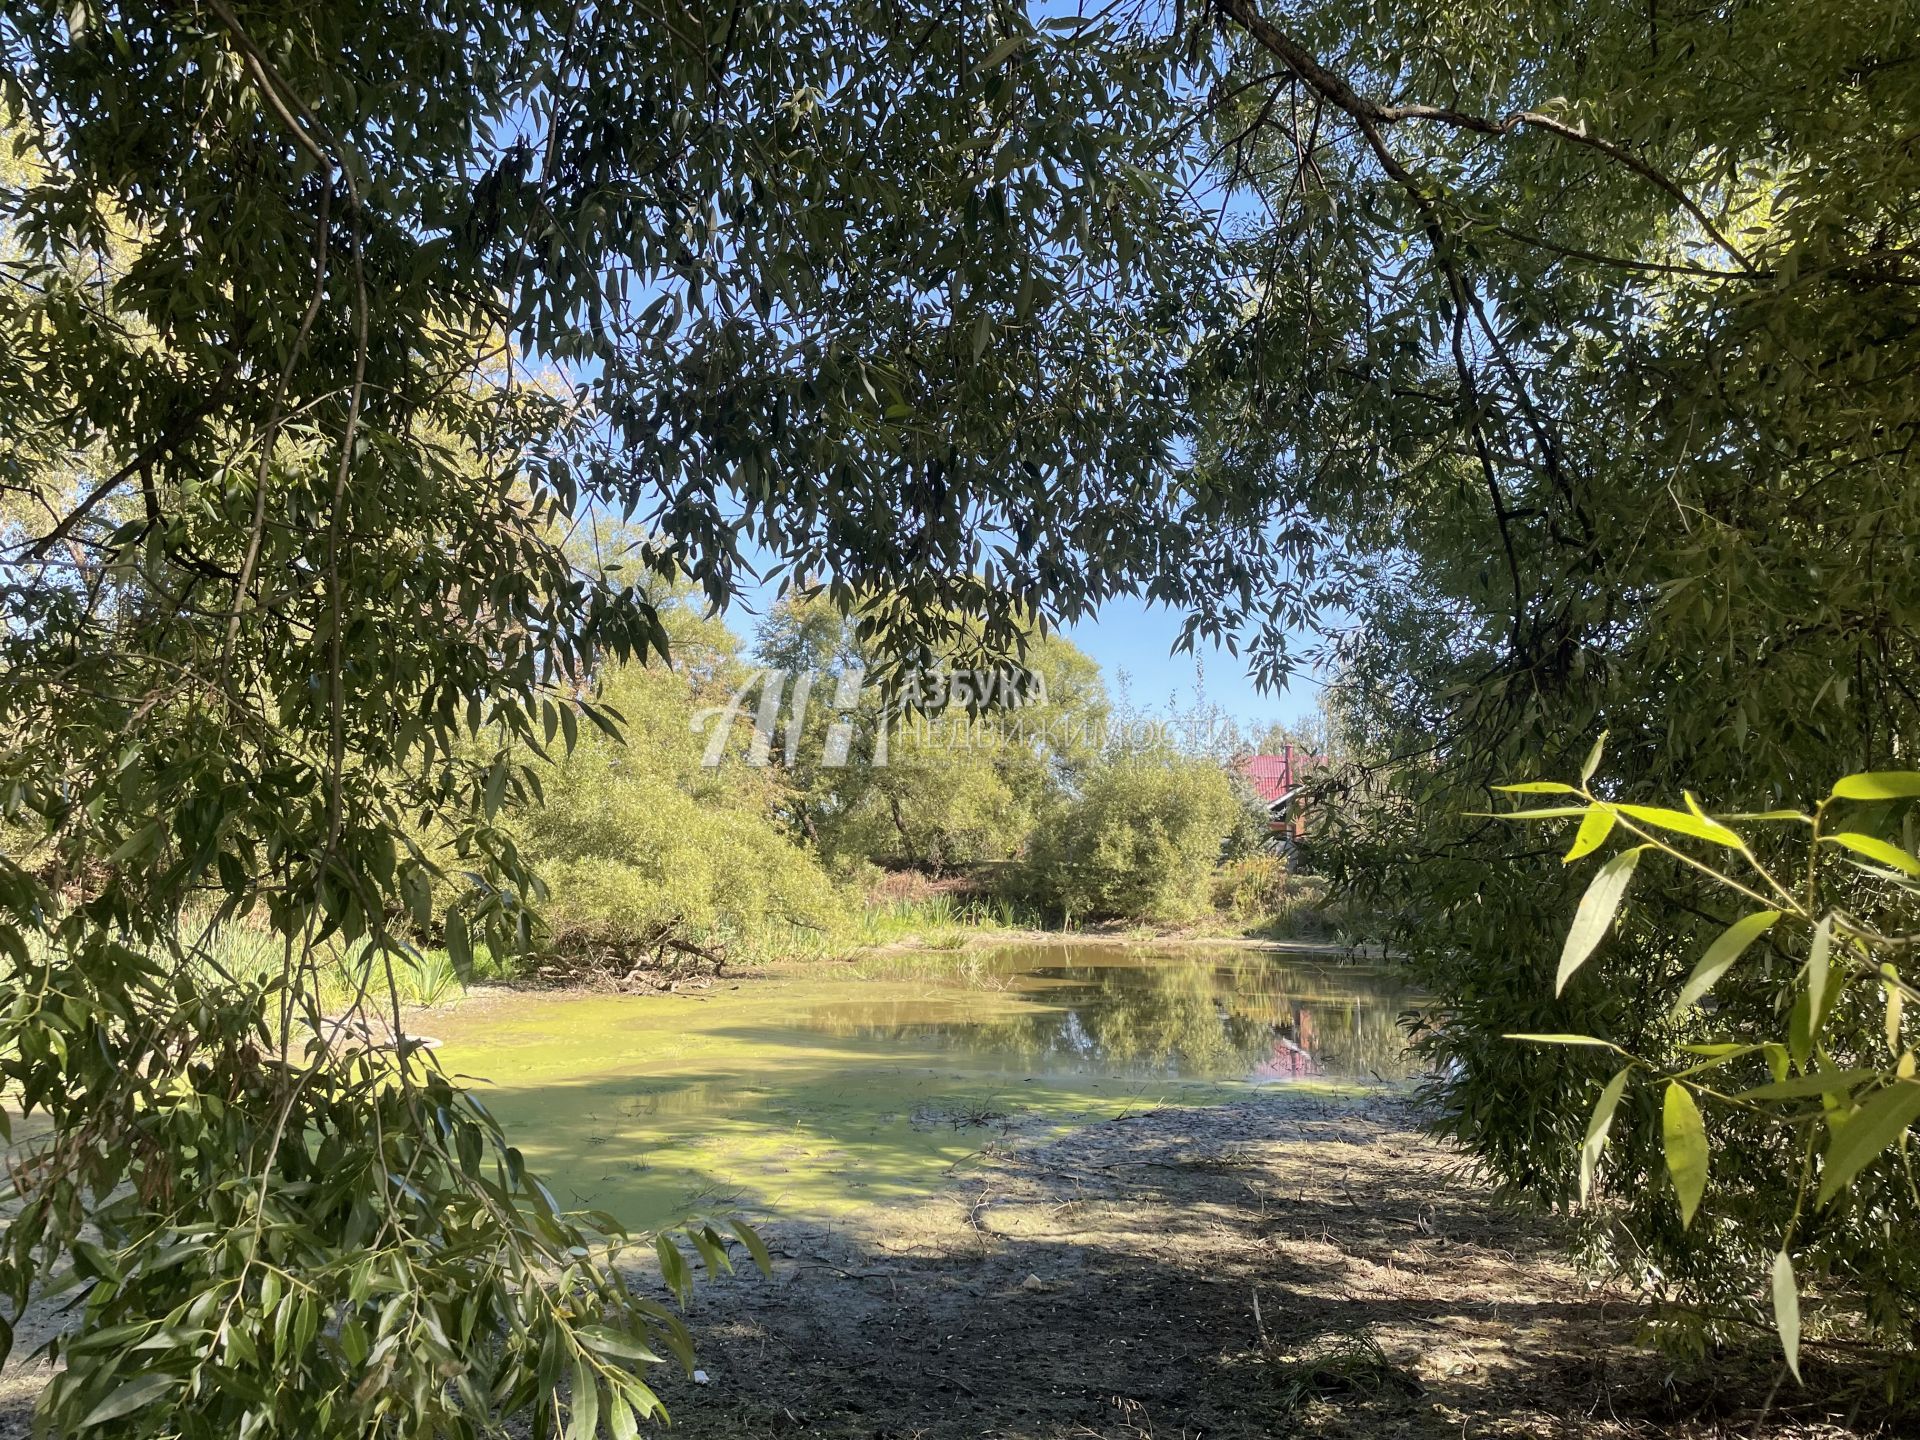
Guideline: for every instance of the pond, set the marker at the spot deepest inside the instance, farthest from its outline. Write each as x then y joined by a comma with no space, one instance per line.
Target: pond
818,1090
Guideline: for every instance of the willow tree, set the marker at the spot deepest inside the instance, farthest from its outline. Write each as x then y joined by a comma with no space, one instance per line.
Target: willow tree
321,325
1590,333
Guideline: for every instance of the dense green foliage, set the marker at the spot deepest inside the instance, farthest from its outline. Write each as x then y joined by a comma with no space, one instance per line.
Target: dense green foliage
286,581
1139,840
1569,351
957,772
1809,1098
1588,332
643,847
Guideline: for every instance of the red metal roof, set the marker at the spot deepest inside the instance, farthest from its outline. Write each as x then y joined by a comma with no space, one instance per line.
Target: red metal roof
1274,776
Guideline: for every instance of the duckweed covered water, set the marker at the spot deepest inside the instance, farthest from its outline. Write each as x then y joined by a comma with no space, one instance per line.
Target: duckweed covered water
809,1093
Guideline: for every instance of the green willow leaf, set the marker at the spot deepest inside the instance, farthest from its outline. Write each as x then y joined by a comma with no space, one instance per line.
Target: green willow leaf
1598,1126
1593,758
1684,822
1684,1136
1868,1133
1879,851
1731,944
1878,785
1591,835
1786,1310
1819,973
1840,1084
1594,917
1586,1040
129,1397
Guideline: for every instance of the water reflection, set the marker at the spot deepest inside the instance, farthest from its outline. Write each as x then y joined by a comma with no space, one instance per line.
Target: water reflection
1144,1014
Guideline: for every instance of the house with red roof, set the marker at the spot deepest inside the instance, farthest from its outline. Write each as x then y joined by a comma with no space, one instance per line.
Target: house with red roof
1276,779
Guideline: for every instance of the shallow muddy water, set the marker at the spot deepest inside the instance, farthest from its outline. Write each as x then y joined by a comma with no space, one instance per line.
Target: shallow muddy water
821,1090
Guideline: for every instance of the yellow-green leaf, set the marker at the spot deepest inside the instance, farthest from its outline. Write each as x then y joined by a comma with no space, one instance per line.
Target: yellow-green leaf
1819,969
1597,1127
1566,1040
1729,947
1786,1310
1684,1134
1683,822
1860,1139
1592,834
1594,917
1593,758
1878,785
1878,851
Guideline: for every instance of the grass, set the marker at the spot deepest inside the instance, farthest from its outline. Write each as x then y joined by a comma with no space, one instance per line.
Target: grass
1343,1367
424,977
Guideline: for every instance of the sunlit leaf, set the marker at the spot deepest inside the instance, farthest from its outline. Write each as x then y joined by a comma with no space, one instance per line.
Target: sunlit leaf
1786,1310
1592,764
1598,1126
1591,835
1728,947
1684,822
1586,1040
1861,1138
1684,1136
1879,851
1878,785
1594,917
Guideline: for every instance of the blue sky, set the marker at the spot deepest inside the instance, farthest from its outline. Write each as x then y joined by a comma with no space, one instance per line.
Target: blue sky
1133,638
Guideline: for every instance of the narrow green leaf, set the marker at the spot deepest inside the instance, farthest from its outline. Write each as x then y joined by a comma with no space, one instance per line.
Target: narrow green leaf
1592,834
1879,851
1819,971
1566,1040
1593,758
1684,1134
1786,1310
459,946
1838,1083
1538,787
1860,1139
1729,947
583,1403
756,1247
620,1421
1595,915
1682,822
1878,785
131,1396
1597,1127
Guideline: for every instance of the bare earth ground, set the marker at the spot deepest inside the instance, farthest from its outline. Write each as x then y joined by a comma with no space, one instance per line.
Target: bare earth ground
1276,1267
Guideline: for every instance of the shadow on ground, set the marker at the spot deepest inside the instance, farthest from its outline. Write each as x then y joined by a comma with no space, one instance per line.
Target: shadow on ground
1274,1267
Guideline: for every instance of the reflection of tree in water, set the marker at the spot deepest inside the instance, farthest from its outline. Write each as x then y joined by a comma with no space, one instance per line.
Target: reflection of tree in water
1241,1017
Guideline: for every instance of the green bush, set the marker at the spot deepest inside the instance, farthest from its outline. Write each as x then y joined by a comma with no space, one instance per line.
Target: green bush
641,840
1139,841
1252,887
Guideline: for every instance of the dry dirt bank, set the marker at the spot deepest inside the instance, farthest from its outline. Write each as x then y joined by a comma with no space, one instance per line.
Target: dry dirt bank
1277,1267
